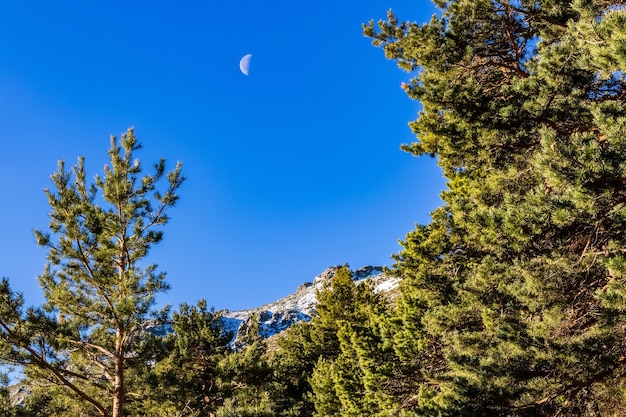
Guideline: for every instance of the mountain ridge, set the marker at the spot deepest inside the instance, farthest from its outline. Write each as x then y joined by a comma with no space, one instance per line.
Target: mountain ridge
279,315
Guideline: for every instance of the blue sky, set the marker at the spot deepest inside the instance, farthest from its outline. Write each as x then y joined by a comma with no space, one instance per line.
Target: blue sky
291,169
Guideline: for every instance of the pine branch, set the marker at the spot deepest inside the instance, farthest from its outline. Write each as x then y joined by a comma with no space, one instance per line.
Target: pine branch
40,361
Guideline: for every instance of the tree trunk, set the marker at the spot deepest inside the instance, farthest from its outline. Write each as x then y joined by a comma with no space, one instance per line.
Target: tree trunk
118,382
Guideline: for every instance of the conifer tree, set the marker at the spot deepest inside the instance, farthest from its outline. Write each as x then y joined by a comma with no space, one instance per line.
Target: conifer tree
336,364
513,297
98,292
293,362
185,379
349,381
247,377
307,345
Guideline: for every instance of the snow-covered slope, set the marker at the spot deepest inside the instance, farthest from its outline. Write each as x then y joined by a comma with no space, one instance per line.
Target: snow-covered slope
277,316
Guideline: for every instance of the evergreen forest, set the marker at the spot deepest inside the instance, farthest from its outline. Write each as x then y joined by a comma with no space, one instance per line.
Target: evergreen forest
512,299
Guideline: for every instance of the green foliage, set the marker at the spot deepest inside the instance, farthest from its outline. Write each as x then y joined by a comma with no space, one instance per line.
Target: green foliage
337,363
91,330
323,394
247,380
250,383
293,361
512,298
185,379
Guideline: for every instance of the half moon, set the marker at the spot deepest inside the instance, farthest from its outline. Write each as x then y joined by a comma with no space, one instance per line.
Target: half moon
244,64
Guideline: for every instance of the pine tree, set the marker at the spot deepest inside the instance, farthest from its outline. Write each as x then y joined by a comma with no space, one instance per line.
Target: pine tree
293,362
351,381
98,294
513,297
247,377
307,345
184,380
338,363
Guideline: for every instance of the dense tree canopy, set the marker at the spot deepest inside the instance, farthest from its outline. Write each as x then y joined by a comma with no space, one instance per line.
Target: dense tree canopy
512,299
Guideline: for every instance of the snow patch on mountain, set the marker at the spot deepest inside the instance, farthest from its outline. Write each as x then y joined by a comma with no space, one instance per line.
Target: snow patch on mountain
279,315
387,285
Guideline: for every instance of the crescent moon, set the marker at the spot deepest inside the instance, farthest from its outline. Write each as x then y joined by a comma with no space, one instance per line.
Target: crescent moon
244,64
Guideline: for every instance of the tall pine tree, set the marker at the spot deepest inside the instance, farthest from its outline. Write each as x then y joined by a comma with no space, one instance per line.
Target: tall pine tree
98,293
513,297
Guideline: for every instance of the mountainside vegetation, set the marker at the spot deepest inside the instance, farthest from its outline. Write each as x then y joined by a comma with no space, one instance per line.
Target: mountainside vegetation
512,299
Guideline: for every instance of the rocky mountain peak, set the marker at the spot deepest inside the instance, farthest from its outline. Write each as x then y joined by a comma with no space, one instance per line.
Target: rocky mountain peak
279,315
